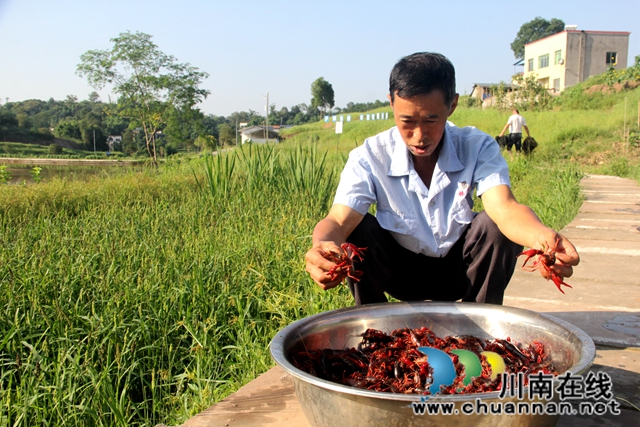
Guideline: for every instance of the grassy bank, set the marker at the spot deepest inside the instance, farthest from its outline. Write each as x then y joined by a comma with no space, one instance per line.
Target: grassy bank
144,298
25,150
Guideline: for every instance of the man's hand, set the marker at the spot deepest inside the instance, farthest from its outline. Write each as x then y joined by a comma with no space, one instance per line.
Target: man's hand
521,225
565,253
318,265
328,235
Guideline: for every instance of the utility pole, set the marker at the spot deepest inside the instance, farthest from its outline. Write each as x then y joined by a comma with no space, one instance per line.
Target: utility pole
94,142
266,128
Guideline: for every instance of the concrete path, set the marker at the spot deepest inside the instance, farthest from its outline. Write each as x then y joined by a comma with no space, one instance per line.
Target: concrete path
604,302
605,298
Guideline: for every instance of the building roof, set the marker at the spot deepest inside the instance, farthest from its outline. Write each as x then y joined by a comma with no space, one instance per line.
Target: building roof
258,132
489,86
507,85
611,33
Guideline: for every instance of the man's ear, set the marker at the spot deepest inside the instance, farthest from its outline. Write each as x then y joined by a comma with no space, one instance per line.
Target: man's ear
389,98
454,104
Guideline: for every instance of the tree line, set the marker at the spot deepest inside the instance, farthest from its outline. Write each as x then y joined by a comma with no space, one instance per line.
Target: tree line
36,120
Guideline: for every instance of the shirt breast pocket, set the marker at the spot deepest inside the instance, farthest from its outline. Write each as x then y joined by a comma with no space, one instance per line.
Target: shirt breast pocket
391,221
462,212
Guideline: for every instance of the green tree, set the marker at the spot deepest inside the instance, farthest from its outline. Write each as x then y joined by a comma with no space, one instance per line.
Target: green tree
92,136
226,134
322,95
534,30
8,122
94,97
529,95
205,142
150,83
68,129
184,126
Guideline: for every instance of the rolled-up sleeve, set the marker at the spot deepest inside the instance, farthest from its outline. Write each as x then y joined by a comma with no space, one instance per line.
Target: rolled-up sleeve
356,188
491,169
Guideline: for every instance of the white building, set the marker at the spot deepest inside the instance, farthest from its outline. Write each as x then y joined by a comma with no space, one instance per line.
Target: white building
572,56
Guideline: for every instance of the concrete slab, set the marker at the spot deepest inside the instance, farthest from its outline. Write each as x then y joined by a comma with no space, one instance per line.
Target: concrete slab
617,208
623,367
630,198
628,233
526,289
615,265
267,401
604,326
605,216
625,419
594,179
606,186
614,208
607,246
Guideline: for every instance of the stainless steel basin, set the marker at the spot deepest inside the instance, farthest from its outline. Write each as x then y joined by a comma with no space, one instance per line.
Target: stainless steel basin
330,404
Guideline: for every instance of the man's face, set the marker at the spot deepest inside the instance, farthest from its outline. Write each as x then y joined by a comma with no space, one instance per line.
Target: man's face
421,120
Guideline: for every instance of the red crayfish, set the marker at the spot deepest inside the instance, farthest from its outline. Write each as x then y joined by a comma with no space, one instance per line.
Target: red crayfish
543,264
344,261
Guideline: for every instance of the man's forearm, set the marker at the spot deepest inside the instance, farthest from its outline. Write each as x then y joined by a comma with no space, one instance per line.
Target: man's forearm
521,225
327,230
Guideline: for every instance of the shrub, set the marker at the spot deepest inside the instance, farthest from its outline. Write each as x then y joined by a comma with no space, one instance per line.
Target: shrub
55,149
5,175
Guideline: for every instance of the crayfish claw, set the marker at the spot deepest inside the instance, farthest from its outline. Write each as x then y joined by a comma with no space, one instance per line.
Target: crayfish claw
529,253
557,280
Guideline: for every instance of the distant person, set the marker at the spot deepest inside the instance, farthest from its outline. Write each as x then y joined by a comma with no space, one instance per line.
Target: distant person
425,242
515,124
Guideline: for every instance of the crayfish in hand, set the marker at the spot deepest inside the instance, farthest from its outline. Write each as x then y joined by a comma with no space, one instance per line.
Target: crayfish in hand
543,263
344,261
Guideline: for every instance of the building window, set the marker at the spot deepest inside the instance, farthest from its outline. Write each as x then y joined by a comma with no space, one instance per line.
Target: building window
612,58
558,57
556,85
543,61
530,65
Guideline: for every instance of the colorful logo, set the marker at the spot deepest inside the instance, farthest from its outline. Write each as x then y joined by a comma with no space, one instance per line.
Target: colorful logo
444,373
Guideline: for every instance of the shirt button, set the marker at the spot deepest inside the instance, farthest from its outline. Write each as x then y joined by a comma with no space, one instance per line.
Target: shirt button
431,203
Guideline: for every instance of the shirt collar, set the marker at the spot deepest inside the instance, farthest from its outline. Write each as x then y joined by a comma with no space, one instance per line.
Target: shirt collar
448,160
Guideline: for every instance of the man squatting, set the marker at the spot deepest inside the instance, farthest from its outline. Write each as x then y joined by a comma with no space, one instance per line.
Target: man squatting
425,242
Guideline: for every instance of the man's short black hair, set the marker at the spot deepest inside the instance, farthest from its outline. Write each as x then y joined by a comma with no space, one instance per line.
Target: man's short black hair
422,73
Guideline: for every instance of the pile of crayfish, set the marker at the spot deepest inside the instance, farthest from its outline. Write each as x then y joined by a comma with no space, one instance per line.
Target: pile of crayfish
392,363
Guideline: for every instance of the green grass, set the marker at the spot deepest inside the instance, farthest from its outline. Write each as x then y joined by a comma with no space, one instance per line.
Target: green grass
19,149
145,297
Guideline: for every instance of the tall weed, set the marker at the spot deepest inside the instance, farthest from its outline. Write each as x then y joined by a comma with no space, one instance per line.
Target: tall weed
218,172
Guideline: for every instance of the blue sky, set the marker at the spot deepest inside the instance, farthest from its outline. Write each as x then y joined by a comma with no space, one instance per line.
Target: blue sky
250,48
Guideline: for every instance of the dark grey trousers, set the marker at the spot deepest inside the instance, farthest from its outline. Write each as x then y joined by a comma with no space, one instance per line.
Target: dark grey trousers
477,268
514,139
